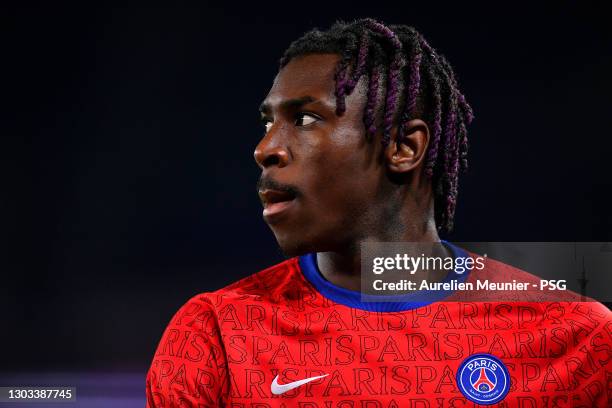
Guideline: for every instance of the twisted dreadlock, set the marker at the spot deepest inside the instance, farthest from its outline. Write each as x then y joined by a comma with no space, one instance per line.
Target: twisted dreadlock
407,79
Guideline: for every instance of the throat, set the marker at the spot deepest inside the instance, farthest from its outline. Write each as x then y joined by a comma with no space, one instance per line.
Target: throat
343,269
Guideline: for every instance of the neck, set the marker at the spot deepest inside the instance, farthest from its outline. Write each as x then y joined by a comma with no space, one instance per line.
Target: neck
343,268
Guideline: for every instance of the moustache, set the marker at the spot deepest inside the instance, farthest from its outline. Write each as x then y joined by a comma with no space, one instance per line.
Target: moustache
268,183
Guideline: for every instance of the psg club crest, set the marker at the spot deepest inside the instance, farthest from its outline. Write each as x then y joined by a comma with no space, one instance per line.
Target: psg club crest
483,379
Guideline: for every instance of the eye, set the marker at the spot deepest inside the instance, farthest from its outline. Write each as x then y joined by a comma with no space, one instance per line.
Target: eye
305,119
267,123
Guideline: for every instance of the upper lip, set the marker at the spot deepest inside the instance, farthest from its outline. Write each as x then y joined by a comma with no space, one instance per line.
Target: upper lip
271,196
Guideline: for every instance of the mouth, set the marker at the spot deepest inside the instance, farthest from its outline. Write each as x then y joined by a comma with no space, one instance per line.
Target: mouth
275,202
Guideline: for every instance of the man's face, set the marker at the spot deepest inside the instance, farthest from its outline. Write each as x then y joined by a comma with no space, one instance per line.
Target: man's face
320,178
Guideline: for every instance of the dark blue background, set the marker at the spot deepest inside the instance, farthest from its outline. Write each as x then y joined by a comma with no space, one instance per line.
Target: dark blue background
128,183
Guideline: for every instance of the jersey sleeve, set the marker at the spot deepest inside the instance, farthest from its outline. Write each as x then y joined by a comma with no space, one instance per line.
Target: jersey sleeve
189,368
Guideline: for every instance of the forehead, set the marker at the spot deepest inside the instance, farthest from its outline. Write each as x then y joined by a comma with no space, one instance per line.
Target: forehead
311,75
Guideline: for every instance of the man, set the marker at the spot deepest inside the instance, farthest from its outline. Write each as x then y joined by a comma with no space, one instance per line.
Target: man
365,134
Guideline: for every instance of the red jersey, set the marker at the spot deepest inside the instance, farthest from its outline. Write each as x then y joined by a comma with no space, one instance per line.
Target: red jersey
286,337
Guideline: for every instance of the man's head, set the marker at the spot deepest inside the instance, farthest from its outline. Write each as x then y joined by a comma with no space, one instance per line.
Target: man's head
365,133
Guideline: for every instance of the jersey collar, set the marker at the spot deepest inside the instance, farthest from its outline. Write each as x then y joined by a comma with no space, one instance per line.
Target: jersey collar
378,303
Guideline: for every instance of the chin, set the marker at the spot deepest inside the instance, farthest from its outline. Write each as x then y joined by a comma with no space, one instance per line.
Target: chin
293,244
293,248
300,238
297,244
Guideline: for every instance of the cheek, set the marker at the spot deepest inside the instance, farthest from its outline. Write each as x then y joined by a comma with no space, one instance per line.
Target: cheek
343,180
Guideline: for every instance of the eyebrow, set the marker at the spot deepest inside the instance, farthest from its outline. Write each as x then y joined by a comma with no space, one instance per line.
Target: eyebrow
290,103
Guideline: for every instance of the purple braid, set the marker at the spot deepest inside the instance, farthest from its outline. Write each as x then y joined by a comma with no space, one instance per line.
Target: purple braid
341,80
463,146
385,31
467,109
459,113
362,59
392,97
369,117
449,140
464,110
451,159
432,155
469,117
342,76
412,88
415,79
393,76
463,140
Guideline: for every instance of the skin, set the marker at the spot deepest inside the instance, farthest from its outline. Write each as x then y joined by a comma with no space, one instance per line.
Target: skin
347,189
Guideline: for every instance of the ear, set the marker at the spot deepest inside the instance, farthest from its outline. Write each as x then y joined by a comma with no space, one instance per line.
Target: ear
405,155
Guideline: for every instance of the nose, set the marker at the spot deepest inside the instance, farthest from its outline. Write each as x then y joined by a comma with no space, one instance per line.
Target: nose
270,153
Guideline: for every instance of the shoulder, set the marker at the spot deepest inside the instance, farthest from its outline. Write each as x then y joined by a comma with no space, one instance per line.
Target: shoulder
562,307
279,275
496,272
282,283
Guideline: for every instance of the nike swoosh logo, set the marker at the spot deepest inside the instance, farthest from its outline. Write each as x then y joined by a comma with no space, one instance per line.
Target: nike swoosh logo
278,389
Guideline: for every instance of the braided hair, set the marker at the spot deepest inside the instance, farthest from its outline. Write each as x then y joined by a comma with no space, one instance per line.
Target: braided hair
407,79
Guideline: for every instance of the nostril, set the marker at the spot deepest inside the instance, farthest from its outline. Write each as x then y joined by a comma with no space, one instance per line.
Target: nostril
271,160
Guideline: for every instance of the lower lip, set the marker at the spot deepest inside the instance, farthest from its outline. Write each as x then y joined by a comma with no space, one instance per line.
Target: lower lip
276,208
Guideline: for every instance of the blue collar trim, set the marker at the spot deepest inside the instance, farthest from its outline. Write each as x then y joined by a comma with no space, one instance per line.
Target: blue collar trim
378,303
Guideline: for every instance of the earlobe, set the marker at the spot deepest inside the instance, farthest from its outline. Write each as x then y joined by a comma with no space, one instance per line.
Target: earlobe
407,154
